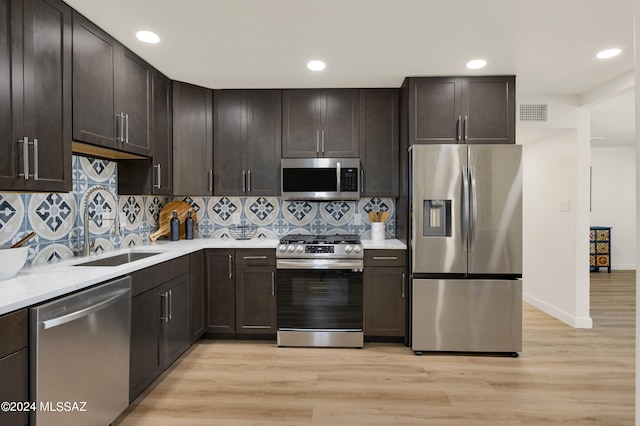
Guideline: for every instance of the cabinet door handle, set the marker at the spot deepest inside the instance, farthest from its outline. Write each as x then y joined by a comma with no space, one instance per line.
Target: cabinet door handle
210,180
244,181
385,257
120,127
126,133
163,307
273,283
361,180
466,128
403,284
35,159
158,184
254,257
25,157
248,180
317,142
459,128
230,266
170,304
323,143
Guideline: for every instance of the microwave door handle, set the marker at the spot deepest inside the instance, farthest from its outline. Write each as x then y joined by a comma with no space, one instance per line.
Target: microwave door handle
338,178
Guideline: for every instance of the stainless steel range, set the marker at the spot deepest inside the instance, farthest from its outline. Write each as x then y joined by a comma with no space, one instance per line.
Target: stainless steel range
320,291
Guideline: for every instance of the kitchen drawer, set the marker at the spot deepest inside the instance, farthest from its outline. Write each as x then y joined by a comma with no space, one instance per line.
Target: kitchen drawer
14,332
385,258
255,257
148,278
14,376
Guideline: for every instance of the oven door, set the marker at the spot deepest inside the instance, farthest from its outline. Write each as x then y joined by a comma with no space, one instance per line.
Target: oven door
320,299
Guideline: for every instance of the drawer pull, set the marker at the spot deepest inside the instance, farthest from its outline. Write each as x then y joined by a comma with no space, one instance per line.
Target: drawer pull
385,257
254,257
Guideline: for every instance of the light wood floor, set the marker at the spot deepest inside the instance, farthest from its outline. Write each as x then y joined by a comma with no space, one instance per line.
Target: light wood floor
563,376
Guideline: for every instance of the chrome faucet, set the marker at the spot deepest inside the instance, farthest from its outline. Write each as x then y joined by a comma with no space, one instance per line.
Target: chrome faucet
116,219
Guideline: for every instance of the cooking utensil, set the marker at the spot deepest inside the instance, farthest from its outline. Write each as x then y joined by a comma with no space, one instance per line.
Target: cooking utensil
24,240
373,216
383,216
164,219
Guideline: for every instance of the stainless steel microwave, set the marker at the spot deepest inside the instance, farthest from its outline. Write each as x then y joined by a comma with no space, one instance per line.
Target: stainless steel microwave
320,178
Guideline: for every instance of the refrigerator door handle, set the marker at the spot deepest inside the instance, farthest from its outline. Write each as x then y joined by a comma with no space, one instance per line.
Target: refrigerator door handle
473,207
465,209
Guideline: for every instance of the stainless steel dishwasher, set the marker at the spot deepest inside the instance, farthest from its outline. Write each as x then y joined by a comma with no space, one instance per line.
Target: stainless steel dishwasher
80,356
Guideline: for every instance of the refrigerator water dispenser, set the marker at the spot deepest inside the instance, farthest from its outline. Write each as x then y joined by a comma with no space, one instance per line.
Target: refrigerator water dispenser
437,218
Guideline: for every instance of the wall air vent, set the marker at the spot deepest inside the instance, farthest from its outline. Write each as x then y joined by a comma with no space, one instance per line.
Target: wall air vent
533,113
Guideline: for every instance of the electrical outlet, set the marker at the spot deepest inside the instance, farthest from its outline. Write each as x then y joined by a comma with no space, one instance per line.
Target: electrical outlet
565,206
357,219
236,218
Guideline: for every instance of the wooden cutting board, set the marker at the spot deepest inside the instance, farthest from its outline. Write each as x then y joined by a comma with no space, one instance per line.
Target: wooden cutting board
164,220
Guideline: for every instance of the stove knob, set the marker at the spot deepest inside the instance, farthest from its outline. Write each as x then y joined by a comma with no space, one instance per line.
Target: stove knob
299,249
290,249
357,249
347,249
282,248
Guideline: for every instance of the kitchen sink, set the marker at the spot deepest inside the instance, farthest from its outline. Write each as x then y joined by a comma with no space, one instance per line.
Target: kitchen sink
117,260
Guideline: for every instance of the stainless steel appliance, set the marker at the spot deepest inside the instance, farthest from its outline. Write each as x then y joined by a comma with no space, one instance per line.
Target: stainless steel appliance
80,356
466,248
320,291
320,178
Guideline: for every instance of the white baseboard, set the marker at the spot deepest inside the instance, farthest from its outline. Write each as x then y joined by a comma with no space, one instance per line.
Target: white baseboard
573,321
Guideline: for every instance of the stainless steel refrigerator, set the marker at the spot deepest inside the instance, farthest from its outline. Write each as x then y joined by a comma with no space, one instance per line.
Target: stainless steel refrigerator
466,248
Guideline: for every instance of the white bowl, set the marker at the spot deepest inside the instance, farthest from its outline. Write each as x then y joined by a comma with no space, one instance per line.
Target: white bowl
11,261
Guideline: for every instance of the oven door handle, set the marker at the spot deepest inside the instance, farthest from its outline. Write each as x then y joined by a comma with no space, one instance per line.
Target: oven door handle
355,264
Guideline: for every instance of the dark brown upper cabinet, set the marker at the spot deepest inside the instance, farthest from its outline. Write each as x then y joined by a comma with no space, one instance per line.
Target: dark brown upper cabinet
35,78
192,139
154,175
111,92
320,123
379,146
247,142
461,109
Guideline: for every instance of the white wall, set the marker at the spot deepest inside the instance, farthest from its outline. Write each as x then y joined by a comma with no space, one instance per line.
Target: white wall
555,268
613,200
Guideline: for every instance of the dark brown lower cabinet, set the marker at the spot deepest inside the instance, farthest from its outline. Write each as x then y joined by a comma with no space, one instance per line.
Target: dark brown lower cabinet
197,319
241,291
385,293
14,365
221,292
160,326
256,299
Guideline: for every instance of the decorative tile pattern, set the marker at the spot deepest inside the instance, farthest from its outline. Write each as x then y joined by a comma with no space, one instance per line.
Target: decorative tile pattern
58,218
337,213
299,212
262,210
222,209
52,216
11,216
131,206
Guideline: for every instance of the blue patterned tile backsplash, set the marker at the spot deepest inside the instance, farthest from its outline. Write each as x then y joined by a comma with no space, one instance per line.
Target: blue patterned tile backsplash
58,221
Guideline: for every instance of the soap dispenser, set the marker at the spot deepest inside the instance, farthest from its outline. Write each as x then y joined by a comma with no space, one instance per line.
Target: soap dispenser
188,226
175,227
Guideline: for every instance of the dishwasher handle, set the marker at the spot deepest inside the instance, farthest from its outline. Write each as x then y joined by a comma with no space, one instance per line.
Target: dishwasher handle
54,322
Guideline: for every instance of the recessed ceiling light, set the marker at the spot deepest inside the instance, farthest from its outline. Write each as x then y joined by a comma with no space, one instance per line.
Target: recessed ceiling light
476,64
148,37
609,53
316,65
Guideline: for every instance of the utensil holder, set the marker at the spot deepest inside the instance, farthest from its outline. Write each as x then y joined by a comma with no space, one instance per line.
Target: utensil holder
377,231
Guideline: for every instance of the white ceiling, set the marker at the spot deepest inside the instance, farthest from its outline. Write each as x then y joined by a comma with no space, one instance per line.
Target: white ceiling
550,45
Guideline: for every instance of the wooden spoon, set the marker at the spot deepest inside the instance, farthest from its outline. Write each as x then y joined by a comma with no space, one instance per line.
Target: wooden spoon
384,216
24,240
373,216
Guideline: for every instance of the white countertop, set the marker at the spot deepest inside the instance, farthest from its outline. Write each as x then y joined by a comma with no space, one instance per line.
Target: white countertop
36,284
